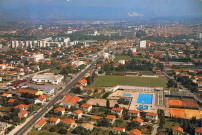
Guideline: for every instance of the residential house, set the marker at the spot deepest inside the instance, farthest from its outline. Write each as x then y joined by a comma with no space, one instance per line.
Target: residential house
177,130
134,113
95,118
134,132
11,101
69,100
117,111
3,66
40,100
60,109
21,107
23,114
198,131
118,130
111,118
139,120
39,124
86,107
83,82
54,121
6,95
69,123
87,126
77,113
152,116
79,86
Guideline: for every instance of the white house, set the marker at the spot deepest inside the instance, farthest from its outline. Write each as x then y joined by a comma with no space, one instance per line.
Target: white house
39,124
87,126
40,100
122,62
54,120
86,107
152,116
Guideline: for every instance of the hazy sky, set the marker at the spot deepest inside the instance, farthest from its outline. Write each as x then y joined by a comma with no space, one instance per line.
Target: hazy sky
95,9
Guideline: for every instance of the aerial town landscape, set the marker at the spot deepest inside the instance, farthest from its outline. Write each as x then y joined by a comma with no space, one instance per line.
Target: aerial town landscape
127,76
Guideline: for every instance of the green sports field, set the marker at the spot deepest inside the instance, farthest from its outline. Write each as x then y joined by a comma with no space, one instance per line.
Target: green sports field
110,81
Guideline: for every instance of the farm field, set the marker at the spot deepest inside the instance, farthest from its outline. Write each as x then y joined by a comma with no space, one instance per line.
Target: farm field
121,57
113,80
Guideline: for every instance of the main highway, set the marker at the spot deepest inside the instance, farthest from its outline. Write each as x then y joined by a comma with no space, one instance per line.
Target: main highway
23,130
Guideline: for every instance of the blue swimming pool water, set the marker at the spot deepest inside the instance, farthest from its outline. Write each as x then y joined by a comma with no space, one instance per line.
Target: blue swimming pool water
144,108
127,99
147,98
126,95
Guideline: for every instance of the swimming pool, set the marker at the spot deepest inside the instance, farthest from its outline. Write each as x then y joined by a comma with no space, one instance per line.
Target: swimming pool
126,95
144,108
147,98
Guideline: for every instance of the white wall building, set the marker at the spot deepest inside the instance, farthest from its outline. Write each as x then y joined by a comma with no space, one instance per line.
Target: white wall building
78,63
142,44
48,77
37,57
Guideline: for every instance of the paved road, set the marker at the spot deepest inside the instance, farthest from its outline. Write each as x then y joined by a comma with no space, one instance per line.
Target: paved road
22,130
185,90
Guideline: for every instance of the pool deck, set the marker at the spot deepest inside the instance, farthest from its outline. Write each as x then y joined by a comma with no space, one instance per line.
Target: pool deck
133,106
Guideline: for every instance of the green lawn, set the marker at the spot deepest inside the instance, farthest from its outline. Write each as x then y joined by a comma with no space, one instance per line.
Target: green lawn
110,81
121,57
42,132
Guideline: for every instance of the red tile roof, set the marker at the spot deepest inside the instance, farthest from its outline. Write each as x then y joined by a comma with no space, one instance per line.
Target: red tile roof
21,106
138,119
96,117
11,100
59,109
5,95
27,91
42,97
177,128
41,122
198,129
69,121
118,128
54,119
77,111
72,99
117,109
86,105
134,132
151,114
133,111
110,117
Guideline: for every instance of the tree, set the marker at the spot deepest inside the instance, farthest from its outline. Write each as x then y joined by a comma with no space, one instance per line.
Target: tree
76,90
132,125
62,131
103,122
140,33
108,103
53,129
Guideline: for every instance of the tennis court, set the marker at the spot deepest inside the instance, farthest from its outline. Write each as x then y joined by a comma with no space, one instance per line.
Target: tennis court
146,98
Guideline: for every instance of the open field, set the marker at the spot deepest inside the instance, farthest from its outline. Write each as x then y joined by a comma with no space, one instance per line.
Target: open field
121,57
110,81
